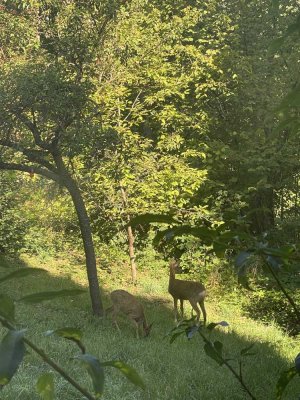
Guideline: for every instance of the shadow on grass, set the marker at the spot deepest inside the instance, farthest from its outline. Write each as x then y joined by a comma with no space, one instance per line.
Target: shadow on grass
177,371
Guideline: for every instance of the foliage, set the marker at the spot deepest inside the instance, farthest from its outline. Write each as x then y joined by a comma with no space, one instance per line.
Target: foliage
12,347
249,253
269,306
191,108
13,225
214,350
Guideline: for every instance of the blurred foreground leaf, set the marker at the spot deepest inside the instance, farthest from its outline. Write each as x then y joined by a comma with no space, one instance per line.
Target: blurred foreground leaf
42,296
12,350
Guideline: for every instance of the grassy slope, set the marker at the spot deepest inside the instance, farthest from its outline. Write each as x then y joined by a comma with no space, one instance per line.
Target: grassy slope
180,371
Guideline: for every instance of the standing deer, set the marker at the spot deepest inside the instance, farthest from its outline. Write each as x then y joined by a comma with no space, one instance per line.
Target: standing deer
127,304
181,290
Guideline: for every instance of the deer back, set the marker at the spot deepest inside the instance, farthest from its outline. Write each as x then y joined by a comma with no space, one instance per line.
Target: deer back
127,304
183,289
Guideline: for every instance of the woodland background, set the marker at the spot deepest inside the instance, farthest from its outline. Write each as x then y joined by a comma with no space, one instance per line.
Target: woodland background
187,110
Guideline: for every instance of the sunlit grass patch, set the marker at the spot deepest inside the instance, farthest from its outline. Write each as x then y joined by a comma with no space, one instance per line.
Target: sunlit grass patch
178,371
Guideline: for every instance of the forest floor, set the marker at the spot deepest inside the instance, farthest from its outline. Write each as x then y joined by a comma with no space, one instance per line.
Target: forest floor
177,371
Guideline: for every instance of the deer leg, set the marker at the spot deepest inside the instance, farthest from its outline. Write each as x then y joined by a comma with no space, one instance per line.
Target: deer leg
114,318
137,329
192,314
201,303
196,308
181,308
117,326
108,310
175,309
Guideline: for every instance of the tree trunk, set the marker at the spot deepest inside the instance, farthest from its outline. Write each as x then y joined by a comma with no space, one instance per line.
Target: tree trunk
131,253
262,216
130,240
86,234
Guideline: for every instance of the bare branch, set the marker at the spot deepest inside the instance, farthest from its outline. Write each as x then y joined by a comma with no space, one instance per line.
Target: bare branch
133,105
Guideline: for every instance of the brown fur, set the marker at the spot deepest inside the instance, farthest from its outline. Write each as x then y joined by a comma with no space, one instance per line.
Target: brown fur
126,303
182,290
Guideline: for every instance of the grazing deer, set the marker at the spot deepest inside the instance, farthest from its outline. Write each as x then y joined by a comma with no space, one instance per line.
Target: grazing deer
127,304
181,290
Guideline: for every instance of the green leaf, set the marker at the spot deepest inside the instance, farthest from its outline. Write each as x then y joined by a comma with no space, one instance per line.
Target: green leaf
149,218
242,258
45,386
175,336
220,248
212,353
69,333
191,330
275,262
284,380
205,234
178,330
12,351
212,325
95,370
20,273
42,296
7,308
241,262
284,252
130,373
160,235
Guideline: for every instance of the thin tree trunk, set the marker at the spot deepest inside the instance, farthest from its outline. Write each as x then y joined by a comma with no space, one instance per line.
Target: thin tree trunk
130,240
131,253
86,234
262,204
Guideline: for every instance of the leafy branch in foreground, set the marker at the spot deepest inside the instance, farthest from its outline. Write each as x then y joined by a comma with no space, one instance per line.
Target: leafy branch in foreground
245,246
214,350
14,343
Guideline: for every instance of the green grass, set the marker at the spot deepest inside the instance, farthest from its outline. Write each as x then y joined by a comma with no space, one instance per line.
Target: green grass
178,371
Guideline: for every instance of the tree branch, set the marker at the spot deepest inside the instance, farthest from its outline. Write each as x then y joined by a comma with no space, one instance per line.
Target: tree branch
31,168
32,154
50,362
133,105
58,131
34,130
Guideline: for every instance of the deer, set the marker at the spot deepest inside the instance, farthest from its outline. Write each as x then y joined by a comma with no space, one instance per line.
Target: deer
126,303
182,290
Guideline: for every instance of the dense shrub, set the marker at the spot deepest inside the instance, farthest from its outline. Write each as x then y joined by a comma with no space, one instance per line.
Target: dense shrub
271,306
12,223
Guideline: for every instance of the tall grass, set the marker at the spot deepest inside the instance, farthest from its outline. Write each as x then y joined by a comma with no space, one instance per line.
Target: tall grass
178,371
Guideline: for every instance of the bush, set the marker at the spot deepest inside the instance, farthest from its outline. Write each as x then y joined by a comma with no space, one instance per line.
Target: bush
271,306
12,224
